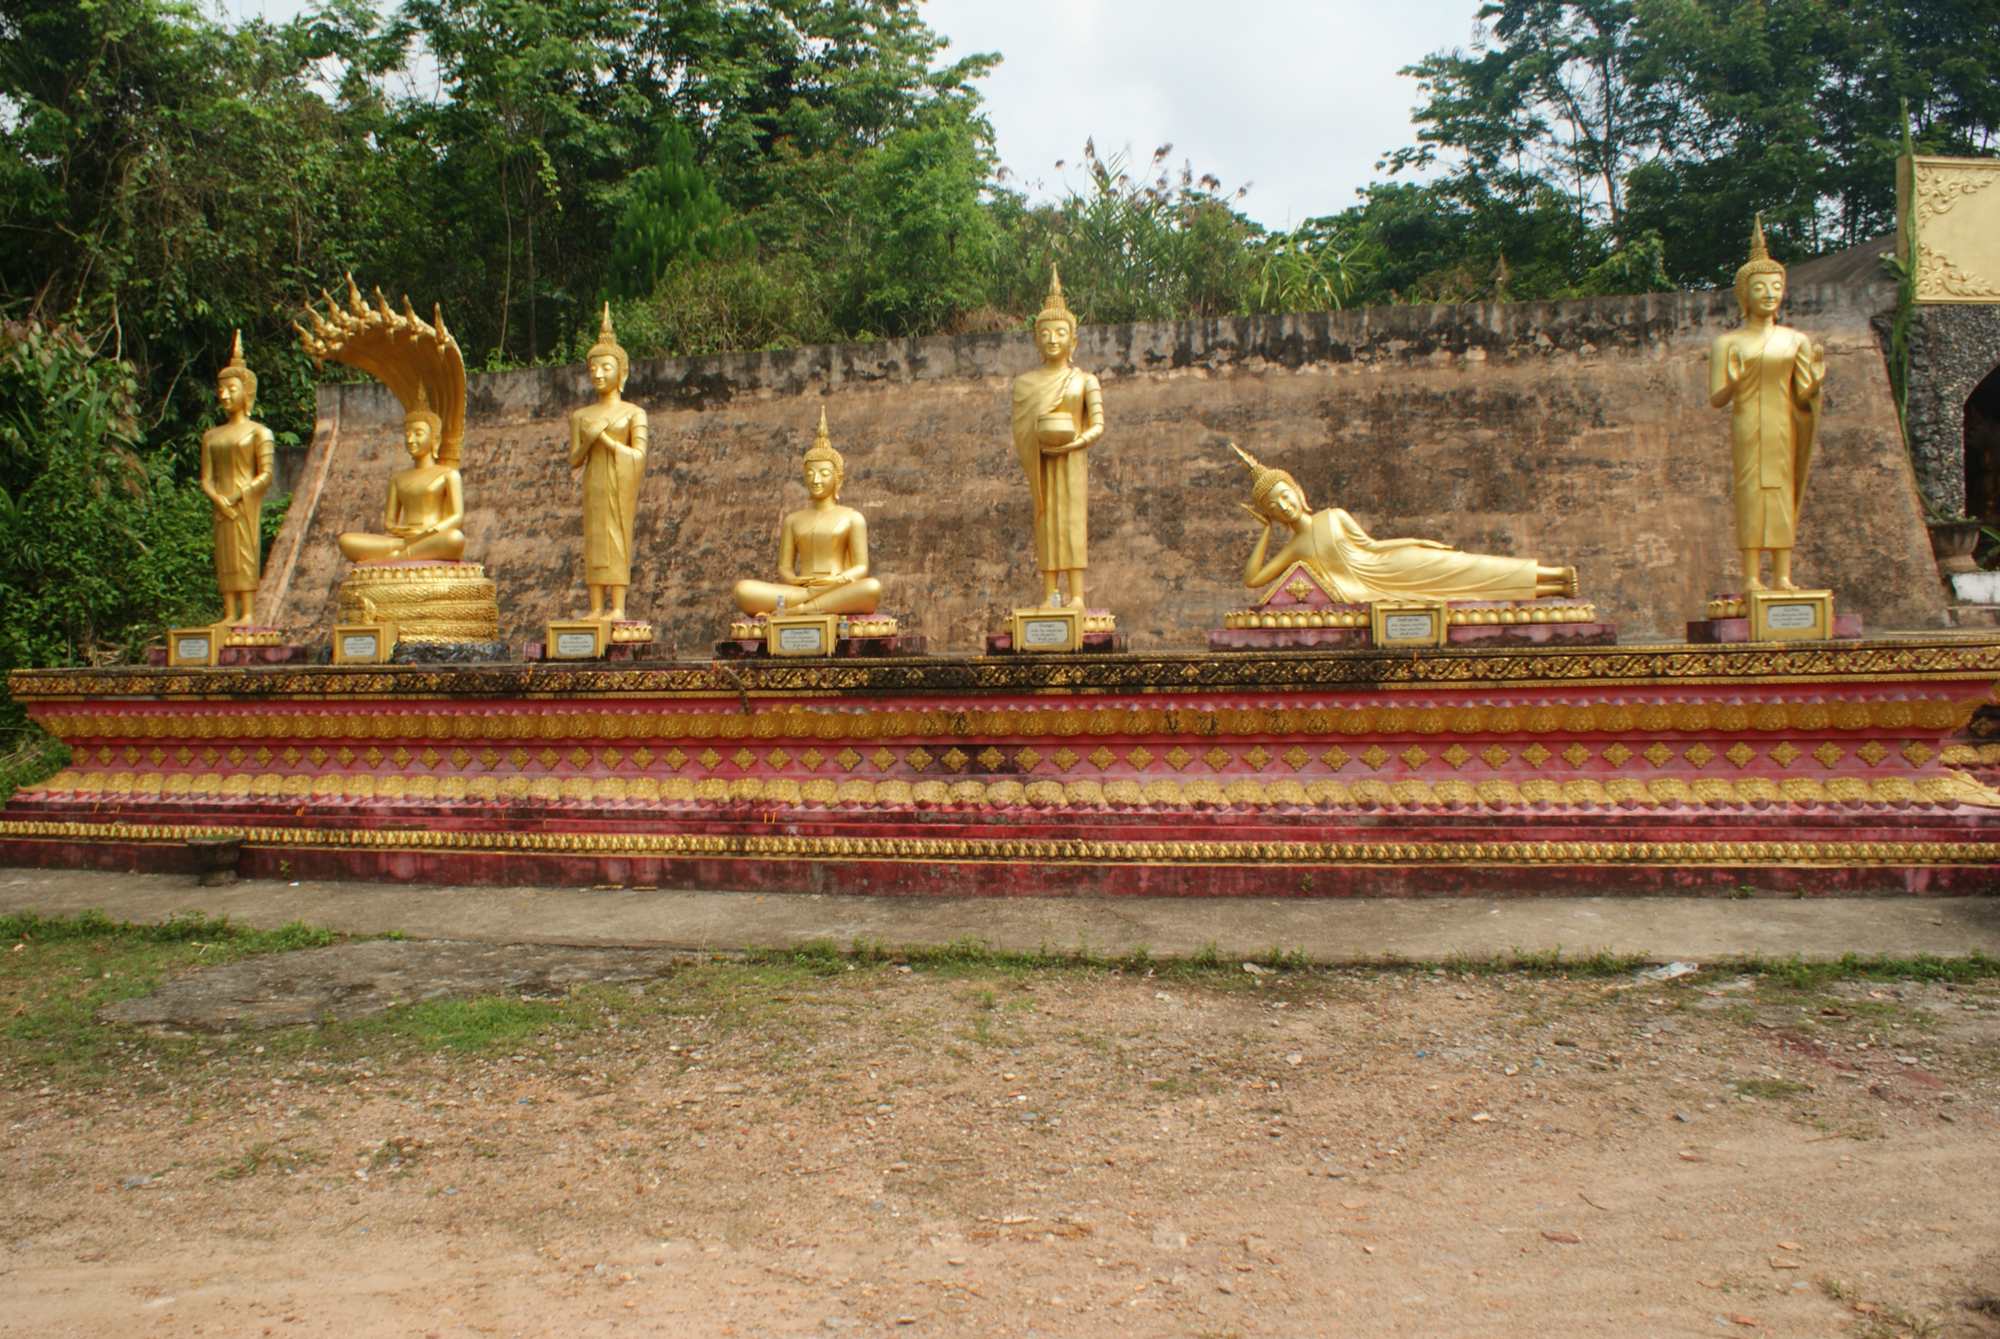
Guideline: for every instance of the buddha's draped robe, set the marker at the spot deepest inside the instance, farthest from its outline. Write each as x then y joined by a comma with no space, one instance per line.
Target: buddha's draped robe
1059,483
1358,568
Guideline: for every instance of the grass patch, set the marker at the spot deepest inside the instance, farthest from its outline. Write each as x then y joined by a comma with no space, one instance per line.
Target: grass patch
1853,967
471,1027
1771,1090
56,972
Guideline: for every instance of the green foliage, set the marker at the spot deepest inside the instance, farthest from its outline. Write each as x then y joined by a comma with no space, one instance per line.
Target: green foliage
58,972
1685,117
100,546
671,211
28,756
1315,267
1162,246
926,249
710,306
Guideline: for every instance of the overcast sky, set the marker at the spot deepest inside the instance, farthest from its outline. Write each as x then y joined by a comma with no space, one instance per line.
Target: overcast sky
1297,98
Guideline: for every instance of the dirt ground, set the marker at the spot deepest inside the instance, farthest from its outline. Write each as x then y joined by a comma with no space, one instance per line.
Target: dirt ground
739,1150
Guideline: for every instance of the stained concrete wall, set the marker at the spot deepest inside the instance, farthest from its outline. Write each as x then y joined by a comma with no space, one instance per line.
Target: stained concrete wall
1952,349
1574,432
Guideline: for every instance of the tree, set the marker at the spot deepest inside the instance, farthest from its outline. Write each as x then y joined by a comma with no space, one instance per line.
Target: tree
100,546
670,210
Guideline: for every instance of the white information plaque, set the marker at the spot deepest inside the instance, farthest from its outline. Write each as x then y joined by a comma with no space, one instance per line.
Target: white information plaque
1047,629
191,648
1407,624
362,643
1790,615
576,645
801,634
802,641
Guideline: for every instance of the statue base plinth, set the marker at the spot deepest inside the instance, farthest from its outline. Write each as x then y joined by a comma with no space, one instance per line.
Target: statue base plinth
593,639
1495,623
227,644
1774,616
852,635
428,602
1808,769
1041,629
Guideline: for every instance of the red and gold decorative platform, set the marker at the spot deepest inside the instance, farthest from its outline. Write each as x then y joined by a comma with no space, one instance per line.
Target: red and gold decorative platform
1809,769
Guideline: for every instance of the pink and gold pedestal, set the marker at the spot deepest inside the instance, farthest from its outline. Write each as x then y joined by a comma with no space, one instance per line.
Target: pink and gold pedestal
1670,769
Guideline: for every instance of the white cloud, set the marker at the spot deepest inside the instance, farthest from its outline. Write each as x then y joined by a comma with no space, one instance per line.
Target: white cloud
1297,97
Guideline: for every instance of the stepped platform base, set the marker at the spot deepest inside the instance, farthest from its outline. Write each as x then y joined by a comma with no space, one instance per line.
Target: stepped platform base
235,645
1806,769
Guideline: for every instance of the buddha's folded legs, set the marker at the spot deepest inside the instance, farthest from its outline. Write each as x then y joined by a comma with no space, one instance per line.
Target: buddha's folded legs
856,597
444,546
762,597
359,546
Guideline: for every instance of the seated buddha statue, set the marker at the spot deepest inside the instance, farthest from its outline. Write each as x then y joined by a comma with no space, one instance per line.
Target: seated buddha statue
1357,568
426,504
822,549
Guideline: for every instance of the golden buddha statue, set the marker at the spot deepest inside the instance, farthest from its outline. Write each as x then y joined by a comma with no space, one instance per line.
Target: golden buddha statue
1058,411
426,503
1357,568
237,464
822,549
412,576
1770,376
607,441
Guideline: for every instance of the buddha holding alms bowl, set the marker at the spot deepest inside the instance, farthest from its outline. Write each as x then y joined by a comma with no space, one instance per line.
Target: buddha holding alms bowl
1057,414
822,554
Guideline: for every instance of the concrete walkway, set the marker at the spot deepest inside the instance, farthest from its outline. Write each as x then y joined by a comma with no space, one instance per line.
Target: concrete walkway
1328,931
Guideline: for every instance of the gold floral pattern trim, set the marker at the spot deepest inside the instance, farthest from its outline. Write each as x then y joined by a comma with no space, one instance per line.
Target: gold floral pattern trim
1046,850
1944,789
314,721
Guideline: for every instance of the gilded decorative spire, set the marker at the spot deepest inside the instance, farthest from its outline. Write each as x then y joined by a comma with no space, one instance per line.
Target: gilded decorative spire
1055,298
605,334
1250,463
822,447
1758,251
236,353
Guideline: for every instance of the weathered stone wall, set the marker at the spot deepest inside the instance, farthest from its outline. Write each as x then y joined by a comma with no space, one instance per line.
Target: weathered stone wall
1952,349
1574,432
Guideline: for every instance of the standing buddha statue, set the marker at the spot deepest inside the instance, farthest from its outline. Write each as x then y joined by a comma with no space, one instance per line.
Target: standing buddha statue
1058,411
1770,376
607,441
236,468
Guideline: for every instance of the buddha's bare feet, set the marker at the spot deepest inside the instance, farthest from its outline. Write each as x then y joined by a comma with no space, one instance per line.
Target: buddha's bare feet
1753,584
1785,583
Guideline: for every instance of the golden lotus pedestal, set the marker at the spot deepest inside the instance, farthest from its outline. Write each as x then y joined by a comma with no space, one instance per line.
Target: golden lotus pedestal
434,604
